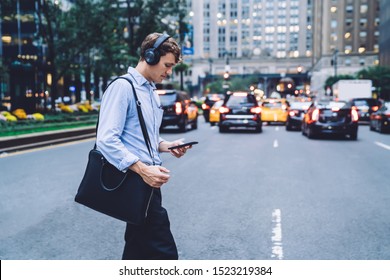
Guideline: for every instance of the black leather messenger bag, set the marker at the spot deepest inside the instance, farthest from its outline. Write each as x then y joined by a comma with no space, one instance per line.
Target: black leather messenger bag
104,188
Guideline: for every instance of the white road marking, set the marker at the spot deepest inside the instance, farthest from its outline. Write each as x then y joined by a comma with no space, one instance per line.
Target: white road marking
276,144
387,147
277,245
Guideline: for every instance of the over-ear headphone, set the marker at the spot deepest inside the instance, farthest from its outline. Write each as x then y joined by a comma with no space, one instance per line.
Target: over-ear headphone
152,55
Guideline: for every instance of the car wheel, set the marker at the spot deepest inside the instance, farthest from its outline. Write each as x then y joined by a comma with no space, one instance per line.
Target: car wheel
381,130
303,130
183,126
353,135
195,124
371,127
223,128
206,117
310,134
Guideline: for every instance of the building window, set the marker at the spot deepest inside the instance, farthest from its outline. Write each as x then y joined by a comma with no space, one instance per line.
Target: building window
348,49
363,8
363,22
348,22
349,9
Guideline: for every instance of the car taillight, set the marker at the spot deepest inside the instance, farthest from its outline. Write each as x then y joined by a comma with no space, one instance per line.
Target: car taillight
315,115
355,115
255,110
178,108
375,108
205,106
224,110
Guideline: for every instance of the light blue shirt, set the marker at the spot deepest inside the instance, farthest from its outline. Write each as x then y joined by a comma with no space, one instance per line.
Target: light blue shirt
119,135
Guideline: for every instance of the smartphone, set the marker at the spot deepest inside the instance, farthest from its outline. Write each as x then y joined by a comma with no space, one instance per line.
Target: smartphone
183,145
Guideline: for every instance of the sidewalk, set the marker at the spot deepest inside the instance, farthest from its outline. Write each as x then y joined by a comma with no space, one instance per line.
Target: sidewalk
34,140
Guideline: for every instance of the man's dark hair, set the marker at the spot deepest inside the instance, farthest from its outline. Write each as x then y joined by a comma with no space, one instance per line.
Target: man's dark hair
169,46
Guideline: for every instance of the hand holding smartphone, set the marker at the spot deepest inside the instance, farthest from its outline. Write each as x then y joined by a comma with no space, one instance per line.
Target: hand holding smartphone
183,145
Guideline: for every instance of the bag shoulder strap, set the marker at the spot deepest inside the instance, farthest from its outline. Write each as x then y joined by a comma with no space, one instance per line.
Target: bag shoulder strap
140,117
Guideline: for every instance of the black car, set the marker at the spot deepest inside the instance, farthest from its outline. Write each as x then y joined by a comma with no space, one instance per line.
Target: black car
330,117
296,111
240,109
178,108
365,107
209,101
380,120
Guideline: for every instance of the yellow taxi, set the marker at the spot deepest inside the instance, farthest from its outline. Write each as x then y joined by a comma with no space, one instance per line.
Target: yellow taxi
214,112
274,110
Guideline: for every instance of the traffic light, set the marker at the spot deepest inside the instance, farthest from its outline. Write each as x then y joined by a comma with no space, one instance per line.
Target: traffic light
226,76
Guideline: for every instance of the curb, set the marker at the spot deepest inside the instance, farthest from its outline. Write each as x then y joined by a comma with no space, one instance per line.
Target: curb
35,140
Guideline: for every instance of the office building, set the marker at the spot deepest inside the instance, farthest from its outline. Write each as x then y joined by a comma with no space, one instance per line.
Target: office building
251,36
345,38
384,36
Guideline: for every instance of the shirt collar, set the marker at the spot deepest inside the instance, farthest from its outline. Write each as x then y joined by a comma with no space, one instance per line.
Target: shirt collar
139,79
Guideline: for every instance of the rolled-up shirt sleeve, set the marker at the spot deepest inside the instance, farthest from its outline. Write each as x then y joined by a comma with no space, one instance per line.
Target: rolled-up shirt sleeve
112,120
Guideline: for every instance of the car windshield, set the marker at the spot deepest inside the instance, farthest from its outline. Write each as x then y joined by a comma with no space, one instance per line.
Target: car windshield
272,104
235,100
299,105
167,98
218,104
215,97
333,104
361,103
365,102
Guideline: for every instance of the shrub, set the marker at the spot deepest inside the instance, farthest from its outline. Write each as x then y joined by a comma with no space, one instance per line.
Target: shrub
20,114
38,116
65,108
82,108
8,116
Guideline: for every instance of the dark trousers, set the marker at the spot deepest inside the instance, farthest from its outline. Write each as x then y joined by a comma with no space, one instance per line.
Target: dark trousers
153,240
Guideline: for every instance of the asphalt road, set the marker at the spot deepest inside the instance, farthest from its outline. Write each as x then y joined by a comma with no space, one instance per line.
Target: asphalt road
239,195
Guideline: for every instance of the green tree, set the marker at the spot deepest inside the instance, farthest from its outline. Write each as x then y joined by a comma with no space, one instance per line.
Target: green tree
215,86
236,83
100,36
181,68
380,77
86,39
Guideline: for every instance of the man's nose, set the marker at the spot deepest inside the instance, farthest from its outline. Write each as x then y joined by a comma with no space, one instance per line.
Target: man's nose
169,71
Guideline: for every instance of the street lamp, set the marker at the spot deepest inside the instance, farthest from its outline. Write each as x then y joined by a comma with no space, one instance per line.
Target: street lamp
334,61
